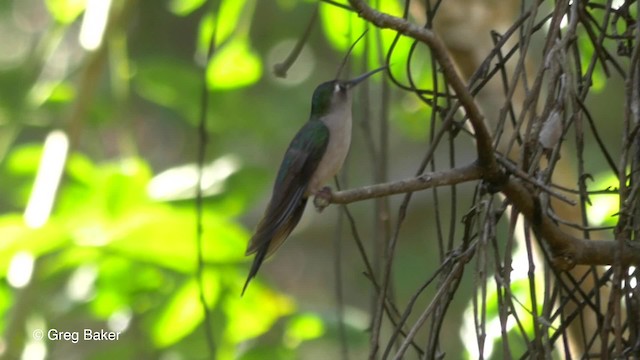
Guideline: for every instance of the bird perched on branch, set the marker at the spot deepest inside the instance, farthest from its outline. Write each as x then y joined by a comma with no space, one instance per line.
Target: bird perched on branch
315,155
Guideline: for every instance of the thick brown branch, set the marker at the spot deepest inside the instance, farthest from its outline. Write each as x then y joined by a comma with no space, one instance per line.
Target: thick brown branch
566,250
441,54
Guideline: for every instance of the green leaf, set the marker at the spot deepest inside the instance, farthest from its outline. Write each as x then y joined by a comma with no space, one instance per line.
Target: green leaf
18,175
604,207
180,316
235,65
24,160
205,32
165,236
124,185
183,312
229,17
6,304
170,83
303,327
53,92
342,28
256,313
338,23
230,14
123,284
80,169
16,236
587,53
65,11
105,194
185,7
62,92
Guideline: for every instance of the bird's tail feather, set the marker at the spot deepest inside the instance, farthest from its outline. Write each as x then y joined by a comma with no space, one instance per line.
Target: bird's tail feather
271,237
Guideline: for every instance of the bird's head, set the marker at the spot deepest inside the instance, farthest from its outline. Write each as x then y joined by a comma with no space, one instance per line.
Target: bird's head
334,94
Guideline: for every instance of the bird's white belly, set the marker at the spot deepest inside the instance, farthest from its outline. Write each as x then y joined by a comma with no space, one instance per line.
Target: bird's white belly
336,152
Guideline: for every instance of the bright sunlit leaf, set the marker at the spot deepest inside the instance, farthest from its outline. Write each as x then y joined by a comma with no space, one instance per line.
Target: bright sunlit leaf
337,22
604,207
65,11
90,204
342,28
21,167
204,33
123,184
120,282
185,7
303,327
587,53
165,237
17,237
181,182
108,300
20,269
24,160
94,23
62,92
180,316
231,12
47,179
6,303
51,91
79,168
235,65
256,313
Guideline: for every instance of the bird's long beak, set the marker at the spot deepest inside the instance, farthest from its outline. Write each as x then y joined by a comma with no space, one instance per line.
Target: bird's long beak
353,82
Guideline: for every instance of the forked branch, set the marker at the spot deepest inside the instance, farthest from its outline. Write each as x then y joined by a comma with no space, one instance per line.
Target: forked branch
566,250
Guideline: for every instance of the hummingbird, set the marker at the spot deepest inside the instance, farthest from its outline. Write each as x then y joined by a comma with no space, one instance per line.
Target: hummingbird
314,156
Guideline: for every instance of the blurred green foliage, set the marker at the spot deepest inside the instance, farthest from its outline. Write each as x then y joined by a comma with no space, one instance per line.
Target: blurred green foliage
111,255
118,251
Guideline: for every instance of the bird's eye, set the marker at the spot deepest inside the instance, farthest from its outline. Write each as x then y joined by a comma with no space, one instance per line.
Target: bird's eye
340,88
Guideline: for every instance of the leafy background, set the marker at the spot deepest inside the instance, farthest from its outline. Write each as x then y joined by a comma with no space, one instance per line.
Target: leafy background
117,251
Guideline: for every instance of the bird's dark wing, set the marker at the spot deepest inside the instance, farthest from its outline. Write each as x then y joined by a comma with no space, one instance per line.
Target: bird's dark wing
288,198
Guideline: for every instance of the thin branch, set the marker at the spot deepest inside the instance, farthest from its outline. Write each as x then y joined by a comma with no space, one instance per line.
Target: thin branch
337,4
426,181
483,138
526,177
454,274
567,251
339,285
203,138
280,69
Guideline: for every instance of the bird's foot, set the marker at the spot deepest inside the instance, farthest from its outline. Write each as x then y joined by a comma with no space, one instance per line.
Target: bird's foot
322,198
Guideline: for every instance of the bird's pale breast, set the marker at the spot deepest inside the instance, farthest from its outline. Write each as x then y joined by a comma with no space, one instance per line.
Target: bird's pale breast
339,124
